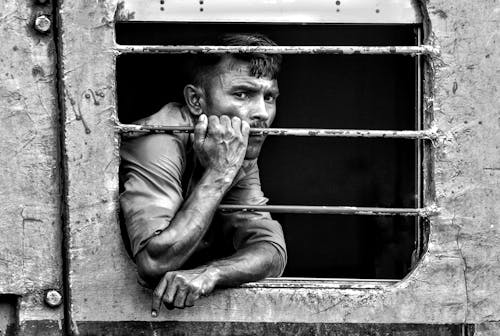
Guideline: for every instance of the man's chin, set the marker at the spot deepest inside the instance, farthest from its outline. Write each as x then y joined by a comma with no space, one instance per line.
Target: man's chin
254,146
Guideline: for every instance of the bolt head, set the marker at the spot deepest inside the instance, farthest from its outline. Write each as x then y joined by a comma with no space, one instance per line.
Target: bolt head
53,298
42,2
42,24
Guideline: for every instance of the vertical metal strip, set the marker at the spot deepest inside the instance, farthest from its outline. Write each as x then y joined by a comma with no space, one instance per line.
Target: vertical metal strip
63,164
418,121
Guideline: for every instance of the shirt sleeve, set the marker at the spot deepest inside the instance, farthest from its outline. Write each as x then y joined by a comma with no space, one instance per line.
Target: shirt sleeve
247,228
151,173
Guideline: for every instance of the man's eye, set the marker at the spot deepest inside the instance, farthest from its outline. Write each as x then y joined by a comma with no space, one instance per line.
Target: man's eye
270,99
240,95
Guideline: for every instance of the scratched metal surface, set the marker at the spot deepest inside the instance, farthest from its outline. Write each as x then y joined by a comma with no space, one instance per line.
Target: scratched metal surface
455,282
30,225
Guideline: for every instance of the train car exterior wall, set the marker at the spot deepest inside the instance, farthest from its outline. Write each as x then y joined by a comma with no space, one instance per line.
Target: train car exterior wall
60,175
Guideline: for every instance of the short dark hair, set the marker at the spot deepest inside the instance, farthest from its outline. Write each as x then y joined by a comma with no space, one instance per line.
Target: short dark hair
261,64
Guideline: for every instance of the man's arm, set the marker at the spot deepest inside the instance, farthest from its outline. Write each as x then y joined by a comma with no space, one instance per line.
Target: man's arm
182,288
257,239
220,146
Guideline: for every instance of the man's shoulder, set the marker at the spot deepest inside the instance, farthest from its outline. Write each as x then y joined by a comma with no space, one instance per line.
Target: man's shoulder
172,114
154,146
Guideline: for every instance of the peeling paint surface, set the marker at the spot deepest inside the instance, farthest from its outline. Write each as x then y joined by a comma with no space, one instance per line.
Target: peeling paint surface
30,257
458,279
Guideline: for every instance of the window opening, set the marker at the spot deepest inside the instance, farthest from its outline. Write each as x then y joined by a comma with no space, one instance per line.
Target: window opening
364,176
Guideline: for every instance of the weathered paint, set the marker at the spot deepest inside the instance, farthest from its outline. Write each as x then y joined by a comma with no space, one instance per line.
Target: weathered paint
466,169
30,225
455,282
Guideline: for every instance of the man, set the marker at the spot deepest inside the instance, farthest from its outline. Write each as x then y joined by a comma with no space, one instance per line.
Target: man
173,184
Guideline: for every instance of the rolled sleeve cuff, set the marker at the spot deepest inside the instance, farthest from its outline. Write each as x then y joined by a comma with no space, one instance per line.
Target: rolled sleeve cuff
146,225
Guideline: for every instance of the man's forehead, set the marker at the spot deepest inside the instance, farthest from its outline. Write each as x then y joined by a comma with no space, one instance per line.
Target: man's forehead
232,71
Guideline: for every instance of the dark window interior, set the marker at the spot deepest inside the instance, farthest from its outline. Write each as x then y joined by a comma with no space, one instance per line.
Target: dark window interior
317,91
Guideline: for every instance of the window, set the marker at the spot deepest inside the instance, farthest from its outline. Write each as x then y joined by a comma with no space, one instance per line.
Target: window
370,92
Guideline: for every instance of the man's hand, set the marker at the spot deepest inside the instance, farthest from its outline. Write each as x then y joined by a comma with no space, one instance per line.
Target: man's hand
221,143
182,288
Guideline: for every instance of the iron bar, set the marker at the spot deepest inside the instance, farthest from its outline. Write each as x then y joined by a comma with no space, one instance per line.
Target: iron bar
343,50
316,283
309,132
418,144
331,210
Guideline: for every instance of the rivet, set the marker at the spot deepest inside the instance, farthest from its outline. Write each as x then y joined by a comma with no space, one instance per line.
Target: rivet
53,298
87,95
42,24
42,2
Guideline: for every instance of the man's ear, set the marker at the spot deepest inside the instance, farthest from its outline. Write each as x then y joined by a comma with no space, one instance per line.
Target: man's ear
195,99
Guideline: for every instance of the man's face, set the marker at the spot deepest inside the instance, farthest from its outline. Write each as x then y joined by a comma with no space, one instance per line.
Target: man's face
232,91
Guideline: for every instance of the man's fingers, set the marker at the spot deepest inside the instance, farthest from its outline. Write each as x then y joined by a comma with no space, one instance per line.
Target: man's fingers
236,123
245,129
158,296
225,121
213,125
180,297
191,298
171,290
200,130
226,126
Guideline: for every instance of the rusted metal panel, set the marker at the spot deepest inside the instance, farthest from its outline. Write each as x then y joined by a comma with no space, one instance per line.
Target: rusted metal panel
276,11
455,282
30,226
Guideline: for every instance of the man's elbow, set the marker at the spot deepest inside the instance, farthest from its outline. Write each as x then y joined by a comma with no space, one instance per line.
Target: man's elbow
279,259
148,268
151,265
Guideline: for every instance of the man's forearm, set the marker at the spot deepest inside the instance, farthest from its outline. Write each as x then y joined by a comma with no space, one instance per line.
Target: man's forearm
252,263
171,248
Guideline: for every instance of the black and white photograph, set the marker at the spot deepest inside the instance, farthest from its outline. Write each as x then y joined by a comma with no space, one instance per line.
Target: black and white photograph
265,167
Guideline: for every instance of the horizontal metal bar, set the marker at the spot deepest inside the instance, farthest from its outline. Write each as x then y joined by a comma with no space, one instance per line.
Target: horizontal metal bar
340,283
212,49
309,132
331,210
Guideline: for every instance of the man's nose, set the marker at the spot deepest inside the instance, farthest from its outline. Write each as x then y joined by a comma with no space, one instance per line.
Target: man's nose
259,111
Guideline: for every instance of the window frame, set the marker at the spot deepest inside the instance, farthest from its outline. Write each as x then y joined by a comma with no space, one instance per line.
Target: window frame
90,159
421,135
